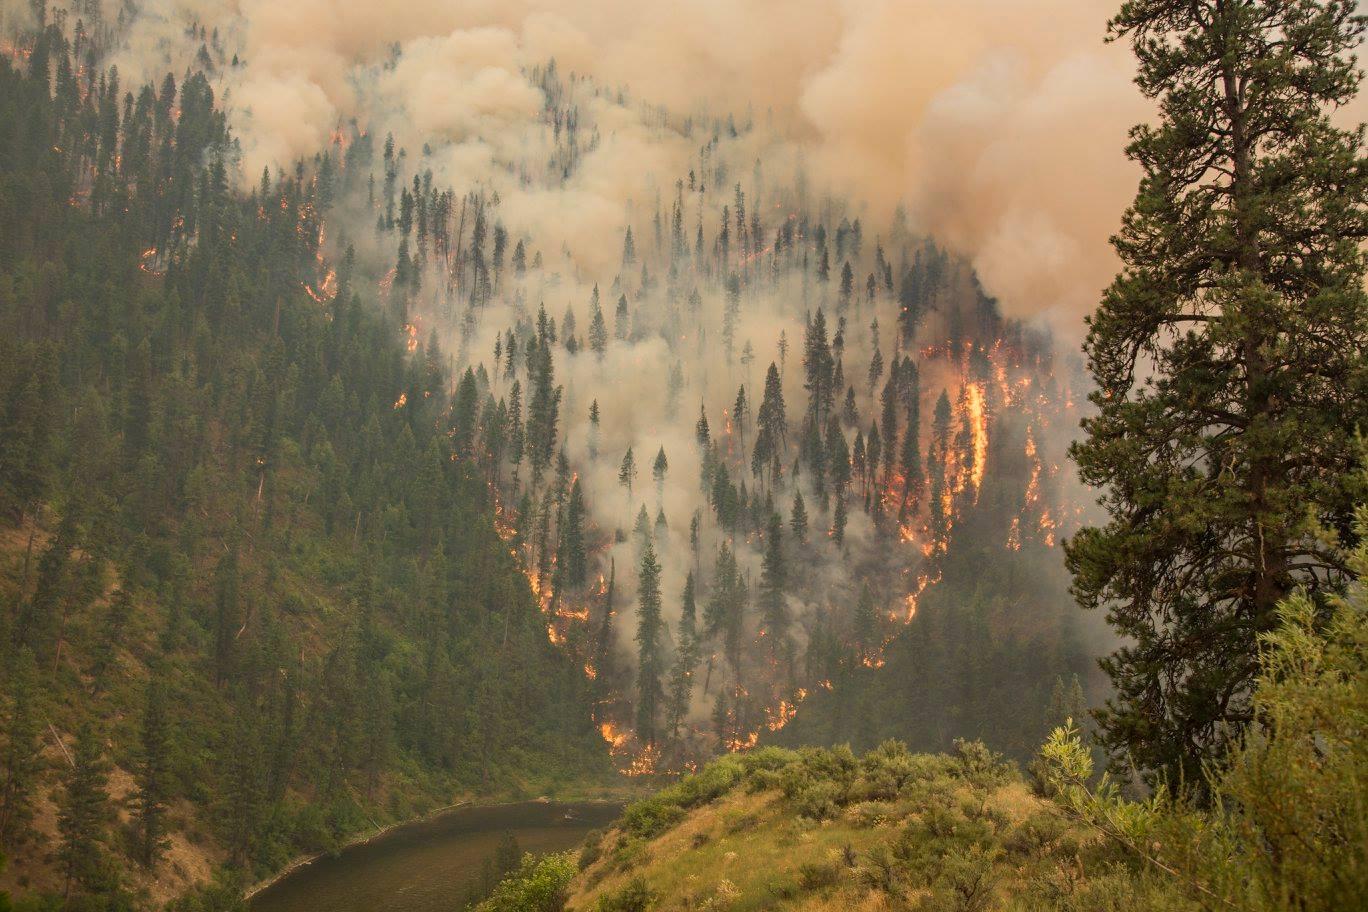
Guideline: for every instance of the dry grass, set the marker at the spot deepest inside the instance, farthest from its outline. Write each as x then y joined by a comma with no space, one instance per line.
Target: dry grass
746,852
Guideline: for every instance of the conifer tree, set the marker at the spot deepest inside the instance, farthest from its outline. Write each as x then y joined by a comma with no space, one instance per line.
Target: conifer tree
818,364
798,519
83,816
593,429
866,621
659,469
152,775
622,321
598,328
604,668
572,562
838,520
739,409
724,614
701,433
772,594
21,759
627,472
686,660
649,658
1230,364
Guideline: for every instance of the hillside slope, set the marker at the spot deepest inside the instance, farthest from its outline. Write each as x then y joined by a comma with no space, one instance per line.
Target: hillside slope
248,608
825,830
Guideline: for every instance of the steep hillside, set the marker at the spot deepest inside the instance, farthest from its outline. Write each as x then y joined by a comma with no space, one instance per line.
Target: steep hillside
247,607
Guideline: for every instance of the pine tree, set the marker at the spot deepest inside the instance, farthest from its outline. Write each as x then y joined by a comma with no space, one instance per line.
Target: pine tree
874,450
771,425
818,364
152,775
910,458
1230,364
21,760
866,621
701,433
83,816
739,409
598,328
798,519
627,473
544,410
772,595
724,614
649,659
593,429
572,561
659,469
686,660
604,667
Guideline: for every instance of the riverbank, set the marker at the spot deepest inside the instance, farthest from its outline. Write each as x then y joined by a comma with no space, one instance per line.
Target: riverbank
574,793
430,862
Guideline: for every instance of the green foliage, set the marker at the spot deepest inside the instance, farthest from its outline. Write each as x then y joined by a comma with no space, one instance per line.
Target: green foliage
635,897
652,816
1231,372
1287,830
540,884
309,573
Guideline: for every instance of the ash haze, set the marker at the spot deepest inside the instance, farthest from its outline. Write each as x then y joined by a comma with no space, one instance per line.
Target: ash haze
997,123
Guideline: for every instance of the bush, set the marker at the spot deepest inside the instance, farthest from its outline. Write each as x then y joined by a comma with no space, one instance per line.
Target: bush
818,800
813,876
539,885
979,766
655,815
635,897
1289,830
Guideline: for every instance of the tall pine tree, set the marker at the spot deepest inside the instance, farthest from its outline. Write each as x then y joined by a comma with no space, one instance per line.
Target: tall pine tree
1229,357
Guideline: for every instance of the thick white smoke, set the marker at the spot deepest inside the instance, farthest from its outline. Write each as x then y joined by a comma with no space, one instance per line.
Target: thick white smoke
999,124
999,137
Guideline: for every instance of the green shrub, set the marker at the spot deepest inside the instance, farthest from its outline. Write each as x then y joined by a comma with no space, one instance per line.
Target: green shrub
540,884
651,817
813,876
818,800
635,897
979,766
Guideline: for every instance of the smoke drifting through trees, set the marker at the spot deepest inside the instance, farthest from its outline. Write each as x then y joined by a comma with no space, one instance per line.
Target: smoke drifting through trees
821,396
944,106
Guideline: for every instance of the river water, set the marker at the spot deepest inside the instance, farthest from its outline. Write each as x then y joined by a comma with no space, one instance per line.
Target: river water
429,866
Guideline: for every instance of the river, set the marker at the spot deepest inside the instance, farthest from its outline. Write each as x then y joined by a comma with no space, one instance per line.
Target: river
428,866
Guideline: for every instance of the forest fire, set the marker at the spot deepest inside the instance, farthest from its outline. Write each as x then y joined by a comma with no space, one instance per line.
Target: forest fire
148,262
644,762
978,423
615,739
782,714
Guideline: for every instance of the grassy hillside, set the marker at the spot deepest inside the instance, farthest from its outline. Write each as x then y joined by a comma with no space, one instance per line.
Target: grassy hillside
826,830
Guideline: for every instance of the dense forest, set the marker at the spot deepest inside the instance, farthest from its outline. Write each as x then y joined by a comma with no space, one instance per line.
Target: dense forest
289,553
517,435
249,606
